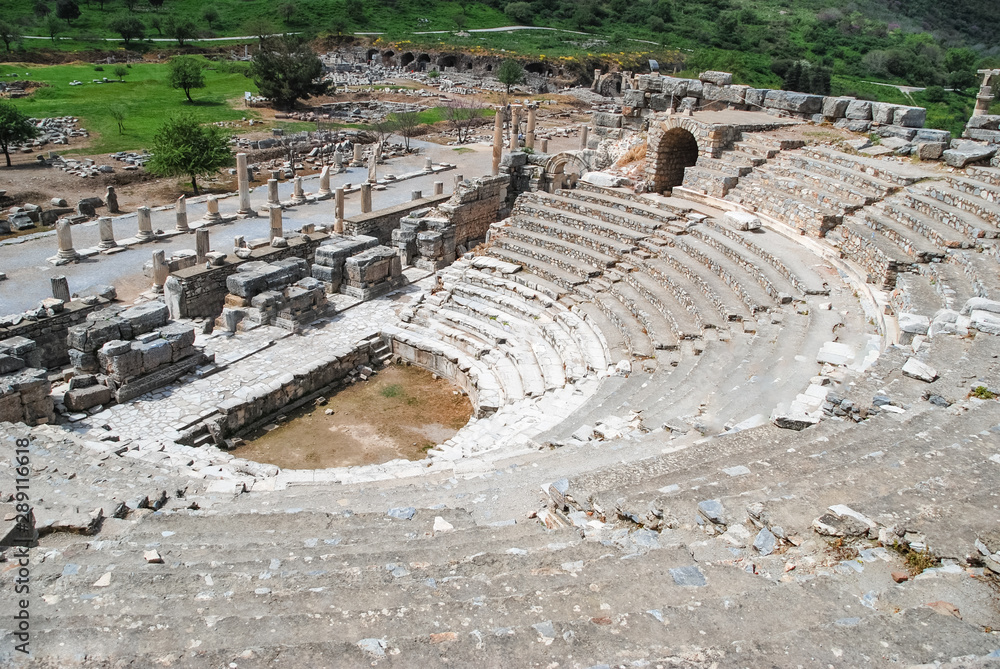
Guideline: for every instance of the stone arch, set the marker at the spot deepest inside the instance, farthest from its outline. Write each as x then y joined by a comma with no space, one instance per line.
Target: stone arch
423,60
387,57
407,58
671,147
489,67
563,169
447,61
371,54
534,68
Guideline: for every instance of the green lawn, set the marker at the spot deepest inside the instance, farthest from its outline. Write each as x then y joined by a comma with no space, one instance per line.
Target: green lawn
145,93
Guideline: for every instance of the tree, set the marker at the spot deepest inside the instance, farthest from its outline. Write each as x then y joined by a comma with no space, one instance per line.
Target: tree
384,129
510,73
461,20
52,26
462,114
355,10
211,15
185,74
156,25
935,94
121,72
183,147
8,34
285,70
15,128
41,8
406,125
128,26
156,4
286,11
521,12
68,10
118,112
130,5
181,31
260,28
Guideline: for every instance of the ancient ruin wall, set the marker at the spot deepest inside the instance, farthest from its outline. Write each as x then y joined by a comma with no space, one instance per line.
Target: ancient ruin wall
49,333
381,223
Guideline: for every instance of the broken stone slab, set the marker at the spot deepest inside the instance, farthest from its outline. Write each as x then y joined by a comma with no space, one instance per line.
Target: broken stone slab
713,510
919,370
914,323
690,576
441,525
985,321
969,153
741,220
403,513
604,180
765,542
835,353
794,418
980,304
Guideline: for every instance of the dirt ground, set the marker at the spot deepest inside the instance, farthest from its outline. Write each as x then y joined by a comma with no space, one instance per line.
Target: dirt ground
399,413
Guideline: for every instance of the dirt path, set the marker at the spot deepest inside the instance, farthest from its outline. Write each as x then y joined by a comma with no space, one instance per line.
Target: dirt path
399,413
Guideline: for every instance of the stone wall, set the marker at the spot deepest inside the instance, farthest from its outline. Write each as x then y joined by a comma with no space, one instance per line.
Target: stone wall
381,223
24,387
473,207
48,331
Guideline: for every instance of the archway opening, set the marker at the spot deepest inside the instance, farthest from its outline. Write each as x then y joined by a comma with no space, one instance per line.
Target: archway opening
534,68
406,59
387,57
676,150
423,60
447,61
564,171
371,54
489,68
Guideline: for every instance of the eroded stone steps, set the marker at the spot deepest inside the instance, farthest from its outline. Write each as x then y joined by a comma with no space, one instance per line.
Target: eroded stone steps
796,212
983,271
952,217
585,260
582,268
767,274
915,293
755,296
880,169
601,243
631,328
917,247
819,168
587,211
943,236
790,185
670,262
614,340
643,209
849,194
547,271
714,180
691,296
879,256
977,207
661,330
588,341
684,322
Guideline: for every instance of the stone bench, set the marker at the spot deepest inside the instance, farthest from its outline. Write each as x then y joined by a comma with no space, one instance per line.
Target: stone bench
944,236
947,215
705,283
541,254
982,209
603,243
661,329
614,225
631,329
913,244
566,250
880,258
754,296
684,322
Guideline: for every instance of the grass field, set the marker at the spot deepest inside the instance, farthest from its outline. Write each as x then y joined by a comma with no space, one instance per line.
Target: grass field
145,94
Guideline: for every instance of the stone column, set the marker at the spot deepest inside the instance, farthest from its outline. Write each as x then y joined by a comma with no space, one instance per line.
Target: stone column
515,124
373,164
416,194
145,233
584,131
338,225
60,288
428,165
276,229
338,160
272,193
324,182
357,154
544,146
201,245
985,96
458,179
497,141
529,133
106,227
212,213
298,196
181,212
597,78
111,199
366,198
276,174
243,180
160,271
439,188
64,236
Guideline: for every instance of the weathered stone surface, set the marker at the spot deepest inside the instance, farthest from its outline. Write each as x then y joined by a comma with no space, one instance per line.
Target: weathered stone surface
84,398
968,153
835,107
146,317
919,370
910,117
801,103
717,78
859,110
930,150
741,220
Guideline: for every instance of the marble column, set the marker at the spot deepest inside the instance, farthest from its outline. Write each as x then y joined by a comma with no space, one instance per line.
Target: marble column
272,193
60,288
416,194
276,229
428,165
338,225
181,212
439,188
584,131
298,195
366,198
515,124
544,145
497,141
324,182
212,212
529,132
145,233
64,237
201,245
106,228
111,200
357,154
373,164
160,271
338,160
243,180
985,96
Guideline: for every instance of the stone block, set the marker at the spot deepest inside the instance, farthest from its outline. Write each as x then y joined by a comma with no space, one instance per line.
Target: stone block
650,82
854,125
154,354
246,284
741,220
755,96
835,107
989,136
929,135
10,363
146,317
658,102
327,274
984,122
968,153
899,132
634,98
909,117
82,399
883,112
695,89
606,120
859,110
919,370
717,78
179,335
82,361
125,365
800,103
930,150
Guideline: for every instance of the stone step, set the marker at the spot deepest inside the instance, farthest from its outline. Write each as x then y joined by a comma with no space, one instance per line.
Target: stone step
709,180
728,164
846,192
915,294
599,242
955,218
756,148
587,212
631,328
944,236
914,245
989,175
547,271
660,328
753,295
978,207
546,254
774,277
780,143
789,183
790,210
883,170
816,163
686,323
621,195
668,263
614,341
588,342
881,258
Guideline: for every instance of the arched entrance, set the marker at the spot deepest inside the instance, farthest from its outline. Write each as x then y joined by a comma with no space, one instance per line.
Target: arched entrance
564,169
406,59
669,153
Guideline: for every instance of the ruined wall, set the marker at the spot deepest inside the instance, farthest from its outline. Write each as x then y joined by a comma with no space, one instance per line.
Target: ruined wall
381,223
49,332
474,206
